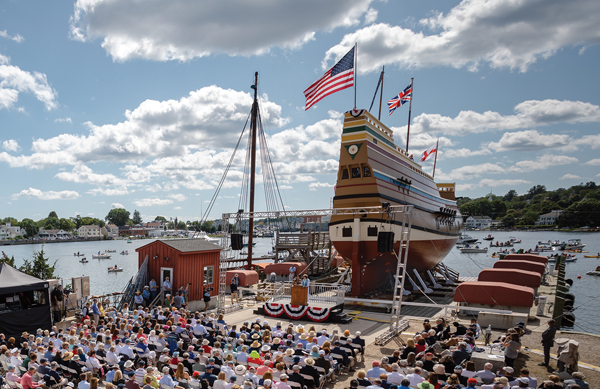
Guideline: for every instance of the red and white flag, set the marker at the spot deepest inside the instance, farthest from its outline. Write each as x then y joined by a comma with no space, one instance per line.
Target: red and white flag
339,77
427,153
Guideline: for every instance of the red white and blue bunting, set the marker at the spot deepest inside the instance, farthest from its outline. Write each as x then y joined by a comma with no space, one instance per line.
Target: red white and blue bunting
296,312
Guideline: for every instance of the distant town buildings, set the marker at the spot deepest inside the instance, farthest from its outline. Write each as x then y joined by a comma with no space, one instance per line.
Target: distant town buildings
548,219
480,222
89,231
7,231
53,234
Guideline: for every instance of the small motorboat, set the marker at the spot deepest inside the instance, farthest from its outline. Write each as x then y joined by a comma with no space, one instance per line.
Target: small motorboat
473,250
129,241
125,252
101,256
114,269
83,260
514,240
501,244
573,244
489,237
78,255
110,251
571,259
595,272
466,239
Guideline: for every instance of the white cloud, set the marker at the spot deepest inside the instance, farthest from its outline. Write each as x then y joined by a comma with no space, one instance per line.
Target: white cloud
117,205
17,38
13,81
83,174
501,33
178,197
149,202
471,171
184,29
542,163
529,140
315,185
109,191
371,16
462,153
50,195
593,162
570,177
63,120
531,113
506,182
11,145
207,118
177,208
592,141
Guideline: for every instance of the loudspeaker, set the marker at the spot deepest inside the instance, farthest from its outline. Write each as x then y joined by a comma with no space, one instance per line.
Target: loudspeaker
237,242
385,242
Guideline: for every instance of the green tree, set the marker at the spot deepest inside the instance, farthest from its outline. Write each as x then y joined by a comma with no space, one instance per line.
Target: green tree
537,189
510,195
77,221
51,223
160,219
529,218
137,218
118,216
8,260
509,220
66,224
10,220
31,228
87,221
39,266
52,214
181,225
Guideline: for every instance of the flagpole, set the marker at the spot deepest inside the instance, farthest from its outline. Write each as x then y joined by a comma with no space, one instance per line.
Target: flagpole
435,160
412,91
381,92
355,69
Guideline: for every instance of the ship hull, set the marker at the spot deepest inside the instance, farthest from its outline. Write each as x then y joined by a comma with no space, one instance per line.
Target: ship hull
374,171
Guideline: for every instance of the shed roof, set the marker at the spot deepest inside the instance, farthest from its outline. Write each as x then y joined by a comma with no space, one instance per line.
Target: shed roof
188,245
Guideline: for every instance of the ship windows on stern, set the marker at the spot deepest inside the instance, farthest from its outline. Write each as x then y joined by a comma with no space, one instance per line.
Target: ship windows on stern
366,171
355,172
345,175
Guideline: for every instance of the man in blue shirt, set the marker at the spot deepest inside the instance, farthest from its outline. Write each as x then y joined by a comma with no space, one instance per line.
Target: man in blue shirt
96,312
83,384
111,374
208,375
153,288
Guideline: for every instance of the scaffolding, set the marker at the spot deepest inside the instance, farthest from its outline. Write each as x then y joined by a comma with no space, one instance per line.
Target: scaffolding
405,211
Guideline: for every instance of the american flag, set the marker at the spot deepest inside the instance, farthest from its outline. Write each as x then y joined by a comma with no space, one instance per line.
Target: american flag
403,97
339,77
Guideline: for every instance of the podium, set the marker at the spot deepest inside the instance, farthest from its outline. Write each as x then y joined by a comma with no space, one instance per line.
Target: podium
299,295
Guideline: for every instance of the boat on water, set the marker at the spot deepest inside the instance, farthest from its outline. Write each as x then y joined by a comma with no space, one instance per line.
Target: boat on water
126,252
592,256
466,239
101,256
473,250
489,237
501,244
83,260
114,269
373,171
567,259
78,255
573,244
129,241
595,272
110,251
514,240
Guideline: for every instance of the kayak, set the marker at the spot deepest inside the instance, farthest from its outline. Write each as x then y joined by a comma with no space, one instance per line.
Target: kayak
591,256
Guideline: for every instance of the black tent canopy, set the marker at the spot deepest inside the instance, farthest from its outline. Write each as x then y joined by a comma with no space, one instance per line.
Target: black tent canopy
24,302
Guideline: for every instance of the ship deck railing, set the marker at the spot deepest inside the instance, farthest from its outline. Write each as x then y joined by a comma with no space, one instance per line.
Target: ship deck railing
319,293
315,240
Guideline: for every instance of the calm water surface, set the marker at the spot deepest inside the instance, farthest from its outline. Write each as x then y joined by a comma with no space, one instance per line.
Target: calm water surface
586,289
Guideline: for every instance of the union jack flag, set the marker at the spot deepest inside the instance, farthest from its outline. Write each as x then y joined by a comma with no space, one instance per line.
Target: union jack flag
403,97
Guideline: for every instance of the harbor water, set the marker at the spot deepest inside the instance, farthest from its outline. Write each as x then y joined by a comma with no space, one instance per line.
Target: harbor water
586,289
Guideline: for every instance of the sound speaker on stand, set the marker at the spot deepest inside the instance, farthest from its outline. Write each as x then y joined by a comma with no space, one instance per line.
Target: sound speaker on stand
237,242
385,242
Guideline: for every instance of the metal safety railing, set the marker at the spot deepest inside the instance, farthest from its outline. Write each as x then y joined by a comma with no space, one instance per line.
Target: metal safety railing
318,292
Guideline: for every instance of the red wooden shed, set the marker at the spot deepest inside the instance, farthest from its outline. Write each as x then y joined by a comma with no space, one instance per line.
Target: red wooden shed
184,261
526,257
247,277
283,268
511,276
523,265
494,293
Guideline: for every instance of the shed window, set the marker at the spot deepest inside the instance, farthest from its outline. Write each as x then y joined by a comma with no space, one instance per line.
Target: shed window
209,272
345,174
356,172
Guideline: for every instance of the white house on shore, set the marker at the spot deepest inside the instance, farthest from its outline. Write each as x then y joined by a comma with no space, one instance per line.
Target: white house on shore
110,230
548,219
8,231
480,222
89,231
53,234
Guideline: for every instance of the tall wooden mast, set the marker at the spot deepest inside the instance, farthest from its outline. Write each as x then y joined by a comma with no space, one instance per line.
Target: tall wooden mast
253,124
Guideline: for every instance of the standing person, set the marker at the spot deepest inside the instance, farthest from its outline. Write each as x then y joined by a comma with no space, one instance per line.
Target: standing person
292,273
306,283
57,298
167,286
153,288
548,342
146,294
206,298
235,282
138,299
95,311
511,349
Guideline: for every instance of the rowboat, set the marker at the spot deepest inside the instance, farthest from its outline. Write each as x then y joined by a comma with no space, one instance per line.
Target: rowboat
101,256
553,259
78,255
83,260
114,269
125,252
110,251
473,250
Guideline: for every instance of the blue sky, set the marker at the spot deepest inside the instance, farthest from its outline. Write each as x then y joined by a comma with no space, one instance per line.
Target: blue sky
137,104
